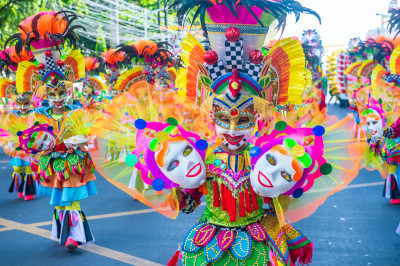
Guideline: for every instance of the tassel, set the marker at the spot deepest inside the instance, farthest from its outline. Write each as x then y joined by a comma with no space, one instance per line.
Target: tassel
70,220
254,199
29,177
216,194
242,212
279,211
248,201
223,197
303,254
232,207
174,260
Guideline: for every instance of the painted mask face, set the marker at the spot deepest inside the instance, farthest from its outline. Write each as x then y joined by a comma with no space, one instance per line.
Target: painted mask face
43,141
183,165
375,125
23,104
275,173
57,97
234,131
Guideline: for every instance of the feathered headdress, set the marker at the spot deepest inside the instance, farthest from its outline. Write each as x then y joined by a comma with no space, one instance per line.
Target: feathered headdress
43,34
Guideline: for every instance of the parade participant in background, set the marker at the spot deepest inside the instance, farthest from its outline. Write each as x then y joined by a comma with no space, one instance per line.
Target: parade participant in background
19,99
65,167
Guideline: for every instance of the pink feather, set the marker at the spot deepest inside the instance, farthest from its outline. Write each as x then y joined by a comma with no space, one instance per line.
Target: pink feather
221,14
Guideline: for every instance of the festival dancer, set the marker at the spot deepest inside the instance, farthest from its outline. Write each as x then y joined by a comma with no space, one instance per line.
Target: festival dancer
234,169
65,166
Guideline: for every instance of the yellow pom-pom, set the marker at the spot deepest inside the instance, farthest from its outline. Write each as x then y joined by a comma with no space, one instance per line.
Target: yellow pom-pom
298,151
162,136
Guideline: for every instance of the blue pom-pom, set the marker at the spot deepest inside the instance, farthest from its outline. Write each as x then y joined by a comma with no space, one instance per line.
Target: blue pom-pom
140,124
158,184
255,151
50,128
298,193
257,134
318,131
19,133
126,114
201,144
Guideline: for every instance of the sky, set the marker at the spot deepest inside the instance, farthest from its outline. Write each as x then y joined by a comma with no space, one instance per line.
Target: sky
341,20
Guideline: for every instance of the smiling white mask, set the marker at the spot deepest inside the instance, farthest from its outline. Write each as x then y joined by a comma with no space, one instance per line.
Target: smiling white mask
183,165
273,174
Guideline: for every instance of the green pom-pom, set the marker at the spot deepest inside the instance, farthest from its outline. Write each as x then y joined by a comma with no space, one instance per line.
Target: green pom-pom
36,123
172,121
380,101
306,160
131,160
18,148
280,126
289,143
154,146
326,169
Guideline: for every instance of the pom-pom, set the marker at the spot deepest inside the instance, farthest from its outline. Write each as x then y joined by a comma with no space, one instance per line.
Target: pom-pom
162,136
172,121
211,57
131,160
280,126
158,184
41,66
318,131
201,144
153,66
50,128
13,83
217,162
255,151
256,56
325,169
60,63
298,193
154,146
36,123
146,72
18,148
109,74
113,70
289,143
48,53
232,34
387,73
298,151
140,124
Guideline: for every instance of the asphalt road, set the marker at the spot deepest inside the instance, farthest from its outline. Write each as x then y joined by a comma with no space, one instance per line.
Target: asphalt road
353,227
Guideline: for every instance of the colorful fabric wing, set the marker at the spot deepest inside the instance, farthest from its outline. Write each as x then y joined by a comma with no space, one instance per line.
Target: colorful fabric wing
344,154
116,135
6,88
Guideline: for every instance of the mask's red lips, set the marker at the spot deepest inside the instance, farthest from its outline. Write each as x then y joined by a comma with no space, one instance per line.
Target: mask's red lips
194,171
51,145
374,132
264,181
233,140
60,103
